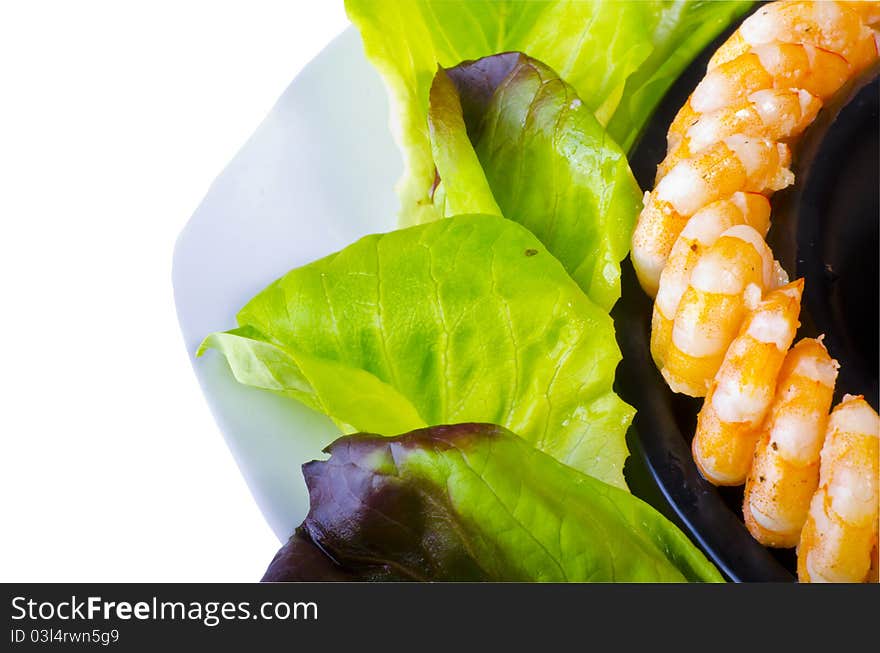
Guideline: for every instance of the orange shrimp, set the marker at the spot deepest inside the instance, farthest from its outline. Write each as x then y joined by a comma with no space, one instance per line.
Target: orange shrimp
785,472
840,533
781,66
749,90
741,392
737,163
768,114
762,88
729,276
832,26
701,232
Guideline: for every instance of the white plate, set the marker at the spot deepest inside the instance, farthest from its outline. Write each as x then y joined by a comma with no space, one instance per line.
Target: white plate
317,174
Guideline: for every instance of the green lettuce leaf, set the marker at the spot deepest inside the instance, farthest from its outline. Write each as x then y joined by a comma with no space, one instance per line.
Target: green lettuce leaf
464,319
543,157
620,57
473,502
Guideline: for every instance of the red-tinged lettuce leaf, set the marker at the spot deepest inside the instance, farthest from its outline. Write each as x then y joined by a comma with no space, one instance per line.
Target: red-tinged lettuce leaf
474,502
619,56
301,560
506,129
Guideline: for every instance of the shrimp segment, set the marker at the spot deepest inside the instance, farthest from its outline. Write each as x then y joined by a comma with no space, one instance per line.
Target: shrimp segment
768,114
733,271
785,471
737,163
700,233
771,66
840,533
832,26
741,392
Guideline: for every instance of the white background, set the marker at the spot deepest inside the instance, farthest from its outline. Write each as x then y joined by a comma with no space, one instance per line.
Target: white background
114,119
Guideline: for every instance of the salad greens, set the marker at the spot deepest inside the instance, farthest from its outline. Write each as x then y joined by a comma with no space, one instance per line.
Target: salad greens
620,57
442,504
543,156
484,337
464,319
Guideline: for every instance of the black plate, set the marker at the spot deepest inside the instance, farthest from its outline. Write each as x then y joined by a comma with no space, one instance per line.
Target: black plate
825,229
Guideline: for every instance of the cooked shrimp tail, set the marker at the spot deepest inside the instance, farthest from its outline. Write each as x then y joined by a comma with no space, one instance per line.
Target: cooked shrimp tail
700,233
840,533
737,163
785,471
732,273
741,393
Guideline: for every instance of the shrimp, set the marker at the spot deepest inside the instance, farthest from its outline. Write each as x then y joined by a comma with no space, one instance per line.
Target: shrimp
768,114
698,248
773,66
840,533
832,26
701,232
785,471
741,392
767,82
729,276
737,163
